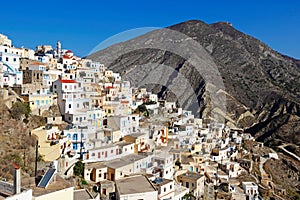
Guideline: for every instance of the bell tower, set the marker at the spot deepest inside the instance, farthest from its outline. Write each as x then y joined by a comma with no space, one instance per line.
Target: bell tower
58,49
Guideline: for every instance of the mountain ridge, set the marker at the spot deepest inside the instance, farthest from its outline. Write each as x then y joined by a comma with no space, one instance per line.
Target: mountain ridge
262,86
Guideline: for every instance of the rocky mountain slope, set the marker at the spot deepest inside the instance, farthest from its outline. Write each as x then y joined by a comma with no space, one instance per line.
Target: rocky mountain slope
17,145
260,87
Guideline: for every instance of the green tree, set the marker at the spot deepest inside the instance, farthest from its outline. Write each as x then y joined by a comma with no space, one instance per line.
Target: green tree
20,109
78,168
143,109
189,196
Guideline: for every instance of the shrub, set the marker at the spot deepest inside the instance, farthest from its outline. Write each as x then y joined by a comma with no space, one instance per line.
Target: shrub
19,109
78,168
83,182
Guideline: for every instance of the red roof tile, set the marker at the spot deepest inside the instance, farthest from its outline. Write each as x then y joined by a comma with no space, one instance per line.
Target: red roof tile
36,63
66,57
67,81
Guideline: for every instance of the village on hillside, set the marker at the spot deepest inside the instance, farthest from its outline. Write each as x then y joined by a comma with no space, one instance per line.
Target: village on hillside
105,139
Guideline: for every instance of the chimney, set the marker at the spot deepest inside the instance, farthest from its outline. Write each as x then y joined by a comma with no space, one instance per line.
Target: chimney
17,179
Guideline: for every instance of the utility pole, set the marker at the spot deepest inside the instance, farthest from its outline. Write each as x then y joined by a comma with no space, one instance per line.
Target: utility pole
36,157
81,157
25,157
81,142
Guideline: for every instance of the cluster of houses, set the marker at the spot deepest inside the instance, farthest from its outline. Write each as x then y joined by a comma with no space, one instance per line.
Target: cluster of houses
133,145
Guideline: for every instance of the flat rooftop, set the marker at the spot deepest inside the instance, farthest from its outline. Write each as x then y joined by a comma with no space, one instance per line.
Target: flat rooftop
136,135
249,184
82,194
58,184
134,185
191,175
123,161
180,189
95,165
119,144
161,181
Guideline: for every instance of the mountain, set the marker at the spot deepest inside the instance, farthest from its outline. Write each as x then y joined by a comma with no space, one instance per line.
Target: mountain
260,87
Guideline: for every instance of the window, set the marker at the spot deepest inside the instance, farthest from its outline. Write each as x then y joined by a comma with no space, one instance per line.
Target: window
75,136
171,187
187,184
15,59
70,106
112,151
193,185
165,189
6,59
75,146
100,175
5,50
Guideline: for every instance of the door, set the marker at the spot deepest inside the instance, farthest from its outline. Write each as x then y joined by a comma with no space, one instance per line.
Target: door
112,177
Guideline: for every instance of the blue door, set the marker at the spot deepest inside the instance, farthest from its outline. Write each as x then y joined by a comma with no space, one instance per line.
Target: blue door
191,168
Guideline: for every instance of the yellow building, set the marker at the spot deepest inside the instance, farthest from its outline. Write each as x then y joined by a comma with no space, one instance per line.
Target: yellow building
139,141
193,181
95,172
40,102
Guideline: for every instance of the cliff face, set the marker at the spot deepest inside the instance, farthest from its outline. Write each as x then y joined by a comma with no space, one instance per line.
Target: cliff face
260,86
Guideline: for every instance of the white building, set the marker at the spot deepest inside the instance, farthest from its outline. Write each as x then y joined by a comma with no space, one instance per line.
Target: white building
164,163
165,188
126,124
4,40
10,59
109,152
250,189
143,189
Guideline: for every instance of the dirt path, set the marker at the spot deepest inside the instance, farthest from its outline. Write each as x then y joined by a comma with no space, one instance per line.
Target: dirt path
288,152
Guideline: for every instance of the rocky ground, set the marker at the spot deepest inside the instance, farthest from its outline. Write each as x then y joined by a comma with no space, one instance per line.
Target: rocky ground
285,171
17,145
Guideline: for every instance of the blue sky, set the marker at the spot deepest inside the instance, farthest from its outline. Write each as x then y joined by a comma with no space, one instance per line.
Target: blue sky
82,25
